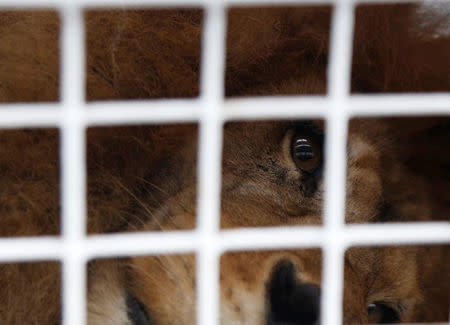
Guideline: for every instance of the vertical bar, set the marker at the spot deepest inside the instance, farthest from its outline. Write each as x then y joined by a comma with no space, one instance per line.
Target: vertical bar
209,169
335,174
341,42
73,166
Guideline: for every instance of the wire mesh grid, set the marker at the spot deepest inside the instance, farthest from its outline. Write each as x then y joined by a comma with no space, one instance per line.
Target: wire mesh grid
74,249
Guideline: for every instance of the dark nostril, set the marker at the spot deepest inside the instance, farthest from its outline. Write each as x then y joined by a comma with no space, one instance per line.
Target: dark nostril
291,302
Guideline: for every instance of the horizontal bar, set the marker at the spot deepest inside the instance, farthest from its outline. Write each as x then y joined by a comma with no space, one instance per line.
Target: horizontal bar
30,115
275,107
138,112
256,108
400,104
101,113
245,3
126,244
430,323
350,235
31,249
123,244
317,106
103,3
417,233
267,107
177,3
271,238
153,3
150,243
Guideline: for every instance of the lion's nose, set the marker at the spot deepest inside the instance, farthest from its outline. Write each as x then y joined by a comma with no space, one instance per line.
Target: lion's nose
290,301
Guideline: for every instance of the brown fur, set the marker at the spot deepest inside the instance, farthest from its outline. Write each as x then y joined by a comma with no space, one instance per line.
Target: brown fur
143,178
30,293
27,77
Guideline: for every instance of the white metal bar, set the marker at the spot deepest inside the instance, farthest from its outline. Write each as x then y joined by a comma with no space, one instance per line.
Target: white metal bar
130,244
73,167
245,239
400,104
19,249
179,3
428,323
335,165
397,233
361,235
45,115
209,168
256,108
154,3
275,107
139,112
244,3
292,237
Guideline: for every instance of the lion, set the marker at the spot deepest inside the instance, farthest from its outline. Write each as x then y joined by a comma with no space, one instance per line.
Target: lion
142,178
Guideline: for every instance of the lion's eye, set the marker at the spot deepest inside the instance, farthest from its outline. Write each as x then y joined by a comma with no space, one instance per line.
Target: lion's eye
306,152
380,313
136,311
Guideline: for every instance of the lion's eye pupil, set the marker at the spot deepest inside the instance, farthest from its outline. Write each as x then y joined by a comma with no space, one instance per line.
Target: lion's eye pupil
371,308
380,313
306,152
303,150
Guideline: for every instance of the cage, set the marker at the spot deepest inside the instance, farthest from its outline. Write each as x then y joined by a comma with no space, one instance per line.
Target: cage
73,115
